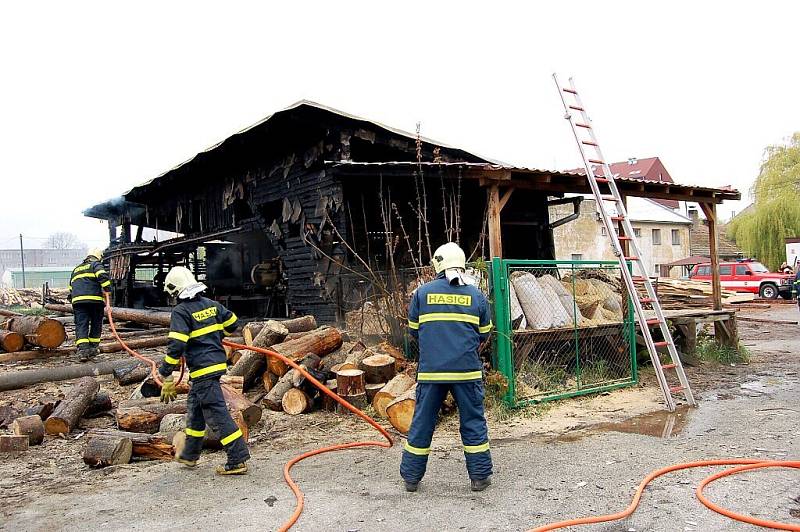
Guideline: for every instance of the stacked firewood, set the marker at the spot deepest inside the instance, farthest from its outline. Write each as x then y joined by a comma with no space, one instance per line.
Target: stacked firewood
10,297
359,375
17,331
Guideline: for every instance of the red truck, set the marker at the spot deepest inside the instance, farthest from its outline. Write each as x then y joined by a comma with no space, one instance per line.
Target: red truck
747,276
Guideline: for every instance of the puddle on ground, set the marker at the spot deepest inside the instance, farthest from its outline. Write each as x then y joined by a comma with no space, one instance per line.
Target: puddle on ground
661,424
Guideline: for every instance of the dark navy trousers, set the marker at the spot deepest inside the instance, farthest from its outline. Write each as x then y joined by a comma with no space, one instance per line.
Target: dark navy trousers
88,324
474,433
206,404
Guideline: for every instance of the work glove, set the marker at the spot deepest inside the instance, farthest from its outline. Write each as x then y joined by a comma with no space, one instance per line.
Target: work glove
168,390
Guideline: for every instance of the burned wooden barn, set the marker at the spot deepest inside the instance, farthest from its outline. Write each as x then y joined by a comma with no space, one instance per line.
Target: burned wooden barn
307,210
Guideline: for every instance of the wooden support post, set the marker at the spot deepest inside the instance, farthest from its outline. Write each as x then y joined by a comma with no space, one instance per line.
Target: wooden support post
710,210
495,233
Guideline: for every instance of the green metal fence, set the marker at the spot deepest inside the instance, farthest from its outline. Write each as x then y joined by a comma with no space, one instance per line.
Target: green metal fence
564,328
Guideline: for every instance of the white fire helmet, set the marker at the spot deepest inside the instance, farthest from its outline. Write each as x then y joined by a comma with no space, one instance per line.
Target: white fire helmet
448,256
177,280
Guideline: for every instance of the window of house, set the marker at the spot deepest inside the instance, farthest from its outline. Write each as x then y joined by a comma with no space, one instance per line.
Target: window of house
656,268
741,269
676,237
725,270
603,231
656,237
577,256
637,232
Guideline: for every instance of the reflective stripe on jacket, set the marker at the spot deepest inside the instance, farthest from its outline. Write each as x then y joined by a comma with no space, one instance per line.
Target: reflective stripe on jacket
88,281
196,331
450,322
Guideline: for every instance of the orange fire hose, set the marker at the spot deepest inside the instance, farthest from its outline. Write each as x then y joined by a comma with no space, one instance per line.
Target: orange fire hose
745,465
288,467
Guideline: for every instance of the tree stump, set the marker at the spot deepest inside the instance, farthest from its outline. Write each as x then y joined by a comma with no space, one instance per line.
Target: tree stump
349,382
11,443
378,368
358,400
102,451
30,426
145,446
144,415
372,389
39,331
11,341
69,411
401,410
296,402
394,388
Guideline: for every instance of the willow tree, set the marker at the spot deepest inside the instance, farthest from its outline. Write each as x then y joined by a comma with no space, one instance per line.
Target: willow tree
776,206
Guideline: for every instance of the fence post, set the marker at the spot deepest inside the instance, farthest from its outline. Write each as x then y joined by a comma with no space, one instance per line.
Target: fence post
502,318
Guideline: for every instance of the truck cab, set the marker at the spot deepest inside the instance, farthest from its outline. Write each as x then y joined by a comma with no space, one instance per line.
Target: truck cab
747,276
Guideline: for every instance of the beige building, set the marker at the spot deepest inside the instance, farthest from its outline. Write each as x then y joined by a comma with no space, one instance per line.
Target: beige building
662,233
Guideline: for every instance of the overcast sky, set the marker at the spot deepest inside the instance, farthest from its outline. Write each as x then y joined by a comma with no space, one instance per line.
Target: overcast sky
96,98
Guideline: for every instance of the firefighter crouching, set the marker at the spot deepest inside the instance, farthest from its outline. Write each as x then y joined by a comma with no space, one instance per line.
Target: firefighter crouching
196,330
450,317
87,284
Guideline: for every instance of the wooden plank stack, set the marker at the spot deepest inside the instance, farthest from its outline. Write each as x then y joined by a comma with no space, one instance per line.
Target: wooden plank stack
682,293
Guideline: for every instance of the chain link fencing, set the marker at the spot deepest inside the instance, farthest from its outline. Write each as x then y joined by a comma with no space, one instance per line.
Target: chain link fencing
564,328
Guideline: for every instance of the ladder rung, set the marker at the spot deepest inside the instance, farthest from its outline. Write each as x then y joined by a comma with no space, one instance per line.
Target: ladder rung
608,198
631,258
571,91
624,238
587,126
596,161
669,366
676,389
576,108
653,321
660,344
638,278
617,218
646,300
589,142
600,179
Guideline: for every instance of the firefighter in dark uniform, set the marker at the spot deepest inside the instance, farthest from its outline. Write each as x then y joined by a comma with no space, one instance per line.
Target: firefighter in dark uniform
451,318
796,286
197,327
87,284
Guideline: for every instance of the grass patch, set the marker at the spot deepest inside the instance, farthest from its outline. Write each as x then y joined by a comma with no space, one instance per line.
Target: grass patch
709,351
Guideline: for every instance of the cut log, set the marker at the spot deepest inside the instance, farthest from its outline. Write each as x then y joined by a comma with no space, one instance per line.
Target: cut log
328,402
391,350
234,340
372,389
350,382
241,405
132,373
138,343
145,446
44,408
174,425
144,415
102,451
359,401
159,331
401,411
100,404
393,389
301,324
11,341
69,411
295,402
269,379
273,398
10,443
354,359
151,317
19,379
339,356
30,426
36,354
378,368
319,342
235,356
295,335
37,330
251,364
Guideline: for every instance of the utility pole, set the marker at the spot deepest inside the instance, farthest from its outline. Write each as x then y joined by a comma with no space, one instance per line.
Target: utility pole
22,259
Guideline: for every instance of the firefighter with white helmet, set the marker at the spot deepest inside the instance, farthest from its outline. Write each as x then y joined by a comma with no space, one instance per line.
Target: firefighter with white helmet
197,327
450,317
87,285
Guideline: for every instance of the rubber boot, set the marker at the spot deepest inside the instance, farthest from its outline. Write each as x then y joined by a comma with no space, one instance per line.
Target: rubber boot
83,355
227,469
480,485
412,486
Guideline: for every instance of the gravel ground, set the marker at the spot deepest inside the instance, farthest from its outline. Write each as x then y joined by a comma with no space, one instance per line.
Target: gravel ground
560,464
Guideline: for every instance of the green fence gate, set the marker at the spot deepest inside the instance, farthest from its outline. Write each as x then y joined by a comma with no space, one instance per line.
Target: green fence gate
564,328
